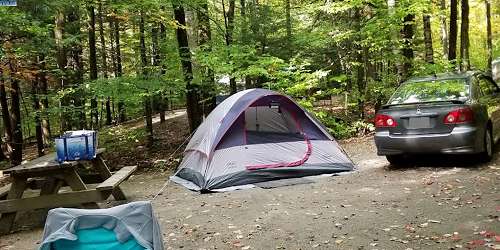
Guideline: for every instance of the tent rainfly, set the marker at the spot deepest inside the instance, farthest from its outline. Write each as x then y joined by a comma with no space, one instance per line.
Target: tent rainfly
258,135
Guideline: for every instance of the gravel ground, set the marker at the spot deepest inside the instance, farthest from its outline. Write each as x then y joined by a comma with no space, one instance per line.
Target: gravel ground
436,203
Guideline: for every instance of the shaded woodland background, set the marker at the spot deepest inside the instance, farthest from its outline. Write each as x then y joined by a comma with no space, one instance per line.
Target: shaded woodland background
82,64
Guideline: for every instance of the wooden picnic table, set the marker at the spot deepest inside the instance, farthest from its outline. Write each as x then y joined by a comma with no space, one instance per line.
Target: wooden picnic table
54,175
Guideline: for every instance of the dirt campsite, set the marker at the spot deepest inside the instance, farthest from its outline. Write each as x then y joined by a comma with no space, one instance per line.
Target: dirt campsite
434,203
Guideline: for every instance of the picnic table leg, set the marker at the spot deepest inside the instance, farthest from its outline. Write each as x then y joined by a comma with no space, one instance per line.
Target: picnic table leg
75,182
50,186
19,184
105,173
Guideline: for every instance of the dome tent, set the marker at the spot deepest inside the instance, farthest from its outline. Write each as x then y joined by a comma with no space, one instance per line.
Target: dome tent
258,135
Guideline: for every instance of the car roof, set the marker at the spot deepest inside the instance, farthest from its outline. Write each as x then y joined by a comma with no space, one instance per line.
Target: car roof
444,76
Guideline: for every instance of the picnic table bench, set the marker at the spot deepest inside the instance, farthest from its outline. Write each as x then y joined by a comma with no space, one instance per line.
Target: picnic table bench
50,177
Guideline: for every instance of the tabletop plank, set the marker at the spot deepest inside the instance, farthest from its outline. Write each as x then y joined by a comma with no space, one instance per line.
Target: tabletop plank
44,163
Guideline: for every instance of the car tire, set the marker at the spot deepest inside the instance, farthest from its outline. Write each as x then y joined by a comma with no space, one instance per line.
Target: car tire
487,154
395,160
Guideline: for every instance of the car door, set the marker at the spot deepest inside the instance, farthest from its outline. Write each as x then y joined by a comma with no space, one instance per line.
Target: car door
491,98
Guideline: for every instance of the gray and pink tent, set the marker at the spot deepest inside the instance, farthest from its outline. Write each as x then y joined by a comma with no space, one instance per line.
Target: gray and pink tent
258,135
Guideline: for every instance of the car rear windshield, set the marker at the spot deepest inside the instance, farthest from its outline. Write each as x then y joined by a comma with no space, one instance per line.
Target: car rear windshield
431,91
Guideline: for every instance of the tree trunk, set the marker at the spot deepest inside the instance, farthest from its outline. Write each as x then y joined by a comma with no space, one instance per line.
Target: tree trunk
5,115
444,29
229,25
452,49
288,24
94,113
118,53
92,46
112,45
148,114
163,69
61,64
429,51
122,115
44,103
142,44
464,37
36,107
359,69
208,82
192,95
489,36
407,50
75,68
244,37
15,117
104,59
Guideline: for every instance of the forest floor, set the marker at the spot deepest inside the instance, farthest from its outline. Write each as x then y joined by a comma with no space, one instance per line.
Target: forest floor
438,203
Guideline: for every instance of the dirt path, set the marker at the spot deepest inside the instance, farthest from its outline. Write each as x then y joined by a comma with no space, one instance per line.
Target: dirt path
427,206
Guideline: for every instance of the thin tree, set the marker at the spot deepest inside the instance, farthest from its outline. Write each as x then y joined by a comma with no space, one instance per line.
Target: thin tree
148,116
452,49
15,117
407,50
104,59
204,38
429,51
229,26
37,108
94,114
444,29
7,123
489,36
464,37
192,93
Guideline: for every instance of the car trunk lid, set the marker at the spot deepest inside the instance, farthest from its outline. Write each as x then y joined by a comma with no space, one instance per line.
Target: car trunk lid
423,118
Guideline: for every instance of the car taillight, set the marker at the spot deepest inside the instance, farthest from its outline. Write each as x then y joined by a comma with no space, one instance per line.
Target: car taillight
382,121
461,115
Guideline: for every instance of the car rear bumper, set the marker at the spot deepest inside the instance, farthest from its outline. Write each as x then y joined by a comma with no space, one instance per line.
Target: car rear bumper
462,140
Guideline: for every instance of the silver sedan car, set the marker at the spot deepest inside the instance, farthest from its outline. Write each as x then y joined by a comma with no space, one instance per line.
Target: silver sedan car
449,114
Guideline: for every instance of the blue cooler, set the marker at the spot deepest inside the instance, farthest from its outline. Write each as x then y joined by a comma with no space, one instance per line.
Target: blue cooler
76,145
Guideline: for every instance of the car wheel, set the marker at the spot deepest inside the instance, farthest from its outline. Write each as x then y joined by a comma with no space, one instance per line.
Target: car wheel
395,160
487,154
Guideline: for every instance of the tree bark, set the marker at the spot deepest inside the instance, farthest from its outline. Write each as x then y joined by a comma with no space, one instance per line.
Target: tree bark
444,28
192,95
489,36
122,115
62,62
452,49
36,107
464,37
75,69
104,66
15,117
7,123
102,38
44,103
244,37
148,114
92,41
208,82
429,51
229,25
142,44
407,50
94,113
